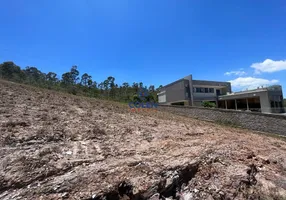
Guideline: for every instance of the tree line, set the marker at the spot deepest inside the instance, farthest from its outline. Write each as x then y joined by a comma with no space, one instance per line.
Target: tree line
73,83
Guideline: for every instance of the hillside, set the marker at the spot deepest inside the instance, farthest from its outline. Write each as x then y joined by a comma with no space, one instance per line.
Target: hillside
60,146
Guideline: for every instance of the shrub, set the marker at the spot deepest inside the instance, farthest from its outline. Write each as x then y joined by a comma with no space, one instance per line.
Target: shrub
208,104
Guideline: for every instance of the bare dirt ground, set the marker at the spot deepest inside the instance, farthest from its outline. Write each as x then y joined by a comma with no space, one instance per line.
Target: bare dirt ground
59,146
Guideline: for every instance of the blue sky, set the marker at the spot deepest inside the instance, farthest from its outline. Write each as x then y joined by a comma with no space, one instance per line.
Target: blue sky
155,42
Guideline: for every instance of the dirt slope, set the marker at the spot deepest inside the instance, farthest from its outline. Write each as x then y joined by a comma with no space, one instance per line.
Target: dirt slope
58,146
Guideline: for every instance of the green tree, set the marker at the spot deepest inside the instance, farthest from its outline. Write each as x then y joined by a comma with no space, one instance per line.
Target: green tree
159,88
51,77
135,87
70,78
70,83
10,71
74,74
151,88
34,76
111,84
140,85
85,78
106,85
67,79
92,84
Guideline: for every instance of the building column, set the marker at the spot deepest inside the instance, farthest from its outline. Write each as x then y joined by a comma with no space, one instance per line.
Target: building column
247,103
191,98
235,104
225,104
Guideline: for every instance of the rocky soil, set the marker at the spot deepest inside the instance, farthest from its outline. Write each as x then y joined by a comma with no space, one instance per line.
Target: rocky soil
59,146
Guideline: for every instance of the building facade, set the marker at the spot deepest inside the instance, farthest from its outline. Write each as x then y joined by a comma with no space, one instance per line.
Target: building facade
266,100
187,91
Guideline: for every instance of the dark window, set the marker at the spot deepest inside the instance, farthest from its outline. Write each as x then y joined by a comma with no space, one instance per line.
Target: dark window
211,90
206,90
202,90
276,104
272,104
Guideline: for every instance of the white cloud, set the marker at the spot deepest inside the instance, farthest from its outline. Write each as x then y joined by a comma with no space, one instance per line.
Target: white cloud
237,73
243,83
269,66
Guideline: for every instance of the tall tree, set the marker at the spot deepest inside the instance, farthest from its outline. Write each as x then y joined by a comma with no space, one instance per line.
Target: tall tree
92,84
67,78
159,88
140,85
111,81
10,71
85,78
151,88
125,86
51,77
111,84
74,74
70,78
34,75
135,87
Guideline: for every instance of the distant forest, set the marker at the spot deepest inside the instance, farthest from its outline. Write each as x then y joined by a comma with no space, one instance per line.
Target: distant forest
73,83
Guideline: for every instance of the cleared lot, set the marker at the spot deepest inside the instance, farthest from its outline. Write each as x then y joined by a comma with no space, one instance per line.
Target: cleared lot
57,146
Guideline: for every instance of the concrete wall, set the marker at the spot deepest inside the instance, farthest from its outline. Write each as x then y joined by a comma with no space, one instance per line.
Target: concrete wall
264,102
190,89
176,92
250,120
205,96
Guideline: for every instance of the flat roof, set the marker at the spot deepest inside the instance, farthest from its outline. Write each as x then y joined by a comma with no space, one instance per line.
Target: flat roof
242,94
202,81
222,82
247,92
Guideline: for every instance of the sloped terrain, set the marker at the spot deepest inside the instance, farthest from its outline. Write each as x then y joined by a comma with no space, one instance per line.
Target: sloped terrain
59,146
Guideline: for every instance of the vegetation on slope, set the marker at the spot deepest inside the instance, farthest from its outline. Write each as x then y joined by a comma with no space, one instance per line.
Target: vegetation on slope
73,83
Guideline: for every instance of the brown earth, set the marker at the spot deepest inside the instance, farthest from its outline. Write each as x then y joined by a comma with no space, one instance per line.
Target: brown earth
59,146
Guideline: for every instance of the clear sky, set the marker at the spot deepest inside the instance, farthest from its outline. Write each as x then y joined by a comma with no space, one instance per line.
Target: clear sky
153,41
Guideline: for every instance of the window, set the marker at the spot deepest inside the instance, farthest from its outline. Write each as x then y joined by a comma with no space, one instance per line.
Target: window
276,104
203,90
